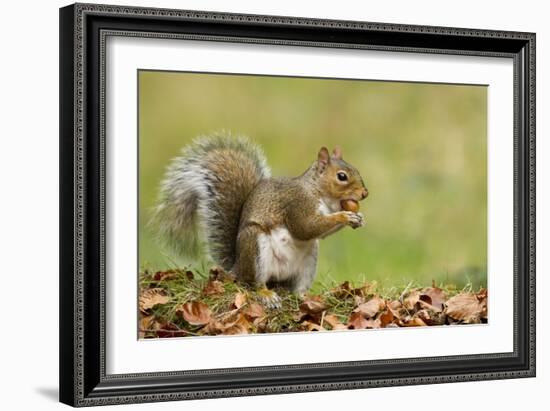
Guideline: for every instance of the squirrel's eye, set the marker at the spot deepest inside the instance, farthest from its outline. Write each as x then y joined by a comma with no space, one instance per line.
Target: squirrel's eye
342,176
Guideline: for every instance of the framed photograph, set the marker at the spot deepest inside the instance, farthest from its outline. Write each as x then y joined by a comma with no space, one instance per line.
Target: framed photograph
263,204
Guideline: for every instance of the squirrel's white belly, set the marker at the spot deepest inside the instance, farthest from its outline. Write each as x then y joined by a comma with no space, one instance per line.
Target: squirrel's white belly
282,257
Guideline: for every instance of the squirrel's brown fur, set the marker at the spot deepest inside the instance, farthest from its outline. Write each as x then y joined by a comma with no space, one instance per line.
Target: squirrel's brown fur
263,229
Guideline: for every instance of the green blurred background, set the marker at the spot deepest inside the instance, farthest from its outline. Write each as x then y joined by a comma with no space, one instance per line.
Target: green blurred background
421,149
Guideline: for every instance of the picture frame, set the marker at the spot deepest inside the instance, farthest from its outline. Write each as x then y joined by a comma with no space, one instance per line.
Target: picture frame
84,83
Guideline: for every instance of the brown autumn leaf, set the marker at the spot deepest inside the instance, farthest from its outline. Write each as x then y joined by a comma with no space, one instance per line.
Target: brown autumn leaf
195,312
482,298
240,326
170,330
410,300
431,317
151,297
253,311
213,287
313,306
386,317
437,296
331,320
165,275
465,308
189,274
373,323
371,307
218,273
396,308
414,322
309,326
147,324
357,321
240,300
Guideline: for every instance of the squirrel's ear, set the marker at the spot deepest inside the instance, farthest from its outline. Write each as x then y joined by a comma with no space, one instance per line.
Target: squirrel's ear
323,158
337,153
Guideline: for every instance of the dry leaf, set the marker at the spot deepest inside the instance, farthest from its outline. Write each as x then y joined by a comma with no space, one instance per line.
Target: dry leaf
313,306
147,324
240,300
414,322
373,323
165,275
409,302
386,317
241,326
482,298
309,326
437,296
357,321
465,308
195,312
169,329
151,297
253,311
213,287
431,317
331,320
218,273
371,307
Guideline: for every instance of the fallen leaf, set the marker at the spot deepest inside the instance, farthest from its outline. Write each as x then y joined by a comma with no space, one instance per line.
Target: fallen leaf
313,306
437,296
240,300
213,287
482,298
414,322
253,311
309,326
431,317
169,329
386,317
373,323
195,312
357,321
331,320
218,273
165,275
151,297
409,302
241,326
147,324
371,307
465,308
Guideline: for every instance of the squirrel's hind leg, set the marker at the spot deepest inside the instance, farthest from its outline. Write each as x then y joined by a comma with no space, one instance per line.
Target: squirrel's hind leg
246,266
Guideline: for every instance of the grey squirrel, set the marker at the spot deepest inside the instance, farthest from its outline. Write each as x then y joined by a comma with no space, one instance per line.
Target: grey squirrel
219,197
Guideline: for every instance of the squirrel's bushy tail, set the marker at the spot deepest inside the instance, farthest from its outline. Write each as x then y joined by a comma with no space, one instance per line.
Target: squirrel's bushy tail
203,193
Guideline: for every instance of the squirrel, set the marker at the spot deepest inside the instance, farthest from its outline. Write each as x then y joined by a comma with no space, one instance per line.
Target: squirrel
219,197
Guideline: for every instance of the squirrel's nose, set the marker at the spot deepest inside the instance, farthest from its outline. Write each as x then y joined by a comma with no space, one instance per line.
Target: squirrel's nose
365,193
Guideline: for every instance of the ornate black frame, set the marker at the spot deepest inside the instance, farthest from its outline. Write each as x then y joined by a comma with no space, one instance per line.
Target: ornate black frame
83,30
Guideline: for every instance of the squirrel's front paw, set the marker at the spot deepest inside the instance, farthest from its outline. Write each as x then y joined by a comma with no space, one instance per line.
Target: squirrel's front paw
355,220
269,298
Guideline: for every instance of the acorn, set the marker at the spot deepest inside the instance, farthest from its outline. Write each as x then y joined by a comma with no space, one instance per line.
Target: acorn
350,205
